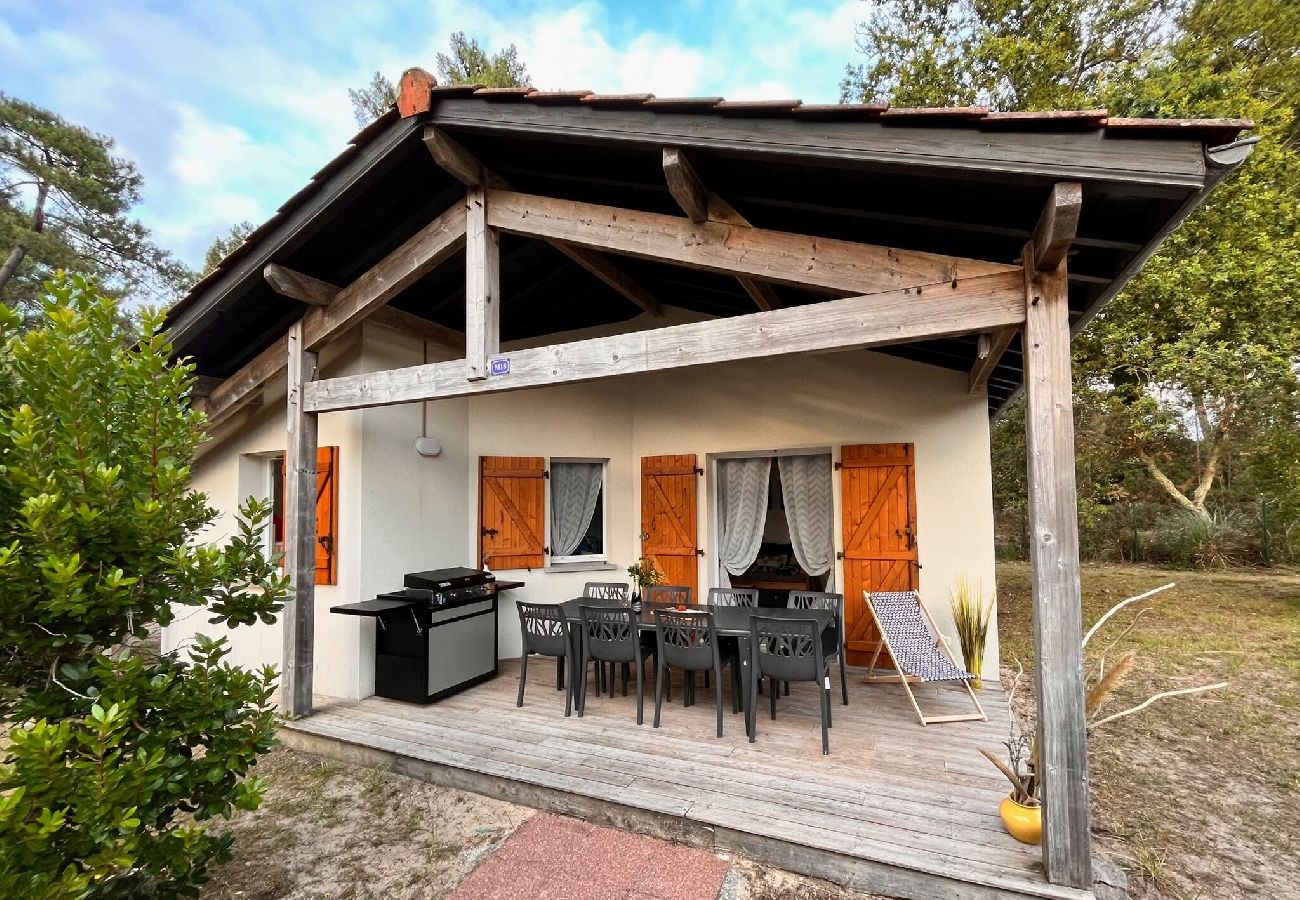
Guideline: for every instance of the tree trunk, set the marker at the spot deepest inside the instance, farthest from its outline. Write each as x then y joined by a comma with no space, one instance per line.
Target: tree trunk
19,251
1208,470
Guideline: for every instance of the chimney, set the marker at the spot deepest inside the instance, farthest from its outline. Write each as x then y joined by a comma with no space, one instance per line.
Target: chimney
413,92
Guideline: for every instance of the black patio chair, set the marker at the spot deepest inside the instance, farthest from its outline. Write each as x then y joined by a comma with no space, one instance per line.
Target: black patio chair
787,650
545,632
610,635
834,603
747,597
667,595
689,641
733,597
608,590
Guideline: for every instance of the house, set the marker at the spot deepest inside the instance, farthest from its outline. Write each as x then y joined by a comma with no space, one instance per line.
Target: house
550,332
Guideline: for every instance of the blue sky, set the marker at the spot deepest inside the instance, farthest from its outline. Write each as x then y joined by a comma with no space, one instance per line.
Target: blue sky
227,108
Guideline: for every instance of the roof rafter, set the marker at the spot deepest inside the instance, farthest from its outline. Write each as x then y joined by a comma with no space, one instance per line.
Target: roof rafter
397,271
688,189
466,168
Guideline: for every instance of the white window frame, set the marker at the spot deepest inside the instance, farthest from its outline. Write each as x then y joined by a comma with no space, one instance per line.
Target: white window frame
603,556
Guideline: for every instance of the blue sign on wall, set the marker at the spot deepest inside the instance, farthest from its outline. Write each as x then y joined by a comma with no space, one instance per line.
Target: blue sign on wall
499,367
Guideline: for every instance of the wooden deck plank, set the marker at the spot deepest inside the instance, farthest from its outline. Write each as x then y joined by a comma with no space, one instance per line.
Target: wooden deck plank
896,807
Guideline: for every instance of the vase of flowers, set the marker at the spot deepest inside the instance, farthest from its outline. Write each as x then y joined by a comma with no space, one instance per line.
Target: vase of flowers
971,615
644,574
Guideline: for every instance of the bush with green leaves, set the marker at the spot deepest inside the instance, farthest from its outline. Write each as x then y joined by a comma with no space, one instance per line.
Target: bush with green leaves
114,757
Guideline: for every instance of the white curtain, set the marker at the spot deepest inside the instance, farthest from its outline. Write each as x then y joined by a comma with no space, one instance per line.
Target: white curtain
806,487
574,489
742,508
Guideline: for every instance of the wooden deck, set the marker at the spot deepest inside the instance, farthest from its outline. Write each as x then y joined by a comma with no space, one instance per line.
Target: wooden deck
897,808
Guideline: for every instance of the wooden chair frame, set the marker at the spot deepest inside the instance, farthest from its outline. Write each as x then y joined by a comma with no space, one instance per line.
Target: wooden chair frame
907,680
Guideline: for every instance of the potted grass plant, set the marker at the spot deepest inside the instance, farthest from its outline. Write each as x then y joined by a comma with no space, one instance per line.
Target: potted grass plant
971,614
1021,810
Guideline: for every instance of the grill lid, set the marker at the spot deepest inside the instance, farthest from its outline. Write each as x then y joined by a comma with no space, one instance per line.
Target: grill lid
444,579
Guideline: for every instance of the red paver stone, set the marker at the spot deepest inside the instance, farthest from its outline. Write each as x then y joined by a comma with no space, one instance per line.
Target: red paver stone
553,858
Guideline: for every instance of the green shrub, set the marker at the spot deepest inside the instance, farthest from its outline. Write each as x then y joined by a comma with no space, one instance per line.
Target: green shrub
114,756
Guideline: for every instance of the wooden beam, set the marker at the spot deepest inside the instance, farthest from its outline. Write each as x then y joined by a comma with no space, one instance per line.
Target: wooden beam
299,528
204,385
1054,551
685,185
386,279
466,168
421,254
793,259
1057,226
482,286
991,348
298,286
246,384
418,325
760,292
454,159
975,304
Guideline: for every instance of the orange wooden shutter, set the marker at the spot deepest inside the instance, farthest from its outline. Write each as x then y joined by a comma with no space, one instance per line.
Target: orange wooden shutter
668,527
512,512
878,490
327,515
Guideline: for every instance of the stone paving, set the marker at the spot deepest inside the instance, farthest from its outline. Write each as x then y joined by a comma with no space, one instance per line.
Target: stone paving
554,858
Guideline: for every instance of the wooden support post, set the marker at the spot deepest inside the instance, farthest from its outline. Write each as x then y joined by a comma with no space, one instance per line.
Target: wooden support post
299,530
1054,562
482,287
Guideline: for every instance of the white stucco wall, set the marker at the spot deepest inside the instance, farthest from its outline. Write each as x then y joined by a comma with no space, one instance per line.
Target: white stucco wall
401,512
231,472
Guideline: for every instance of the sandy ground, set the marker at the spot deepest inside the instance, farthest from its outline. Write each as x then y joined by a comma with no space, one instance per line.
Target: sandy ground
328,830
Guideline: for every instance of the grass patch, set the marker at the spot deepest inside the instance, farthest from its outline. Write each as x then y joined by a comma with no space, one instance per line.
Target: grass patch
1195,796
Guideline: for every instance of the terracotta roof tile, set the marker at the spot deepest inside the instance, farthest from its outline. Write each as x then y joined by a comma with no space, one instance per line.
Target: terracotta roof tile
1213,131
616,101
840,111
557,98
757,108
503,93
455,90
682,104
970,113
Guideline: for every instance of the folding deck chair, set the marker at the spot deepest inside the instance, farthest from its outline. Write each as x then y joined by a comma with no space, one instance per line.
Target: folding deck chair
920,651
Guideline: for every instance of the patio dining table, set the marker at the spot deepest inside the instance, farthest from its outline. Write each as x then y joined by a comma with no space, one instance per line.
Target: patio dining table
730,621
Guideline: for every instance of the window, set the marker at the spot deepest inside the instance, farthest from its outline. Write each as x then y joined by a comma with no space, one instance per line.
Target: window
327,503
528,511
577,511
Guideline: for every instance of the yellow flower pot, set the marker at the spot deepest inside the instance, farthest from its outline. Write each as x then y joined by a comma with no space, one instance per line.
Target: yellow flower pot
1024,823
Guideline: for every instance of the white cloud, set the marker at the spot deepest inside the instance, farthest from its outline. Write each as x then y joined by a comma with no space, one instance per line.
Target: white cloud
227,111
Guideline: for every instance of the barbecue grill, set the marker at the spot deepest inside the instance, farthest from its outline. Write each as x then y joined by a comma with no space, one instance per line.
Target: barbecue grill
436,636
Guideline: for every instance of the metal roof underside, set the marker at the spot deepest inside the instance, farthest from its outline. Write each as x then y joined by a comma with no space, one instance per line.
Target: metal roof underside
946,185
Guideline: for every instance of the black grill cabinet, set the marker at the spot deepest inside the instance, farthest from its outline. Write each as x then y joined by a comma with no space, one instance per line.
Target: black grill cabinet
436,636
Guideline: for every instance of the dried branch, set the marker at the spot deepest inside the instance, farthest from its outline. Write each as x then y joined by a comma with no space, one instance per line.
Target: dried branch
1143,705
1123,603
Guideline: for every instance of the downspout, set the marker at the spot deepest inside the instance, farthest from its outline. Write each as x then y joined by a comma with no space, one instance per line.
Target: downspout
1220,162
